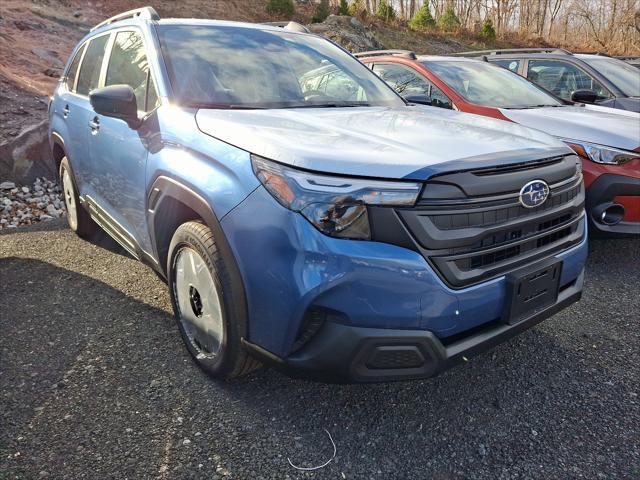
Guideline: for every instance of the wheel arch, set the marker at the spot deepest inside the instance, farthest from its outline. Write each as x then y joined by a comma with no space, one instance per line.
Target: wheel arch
170,204
58,151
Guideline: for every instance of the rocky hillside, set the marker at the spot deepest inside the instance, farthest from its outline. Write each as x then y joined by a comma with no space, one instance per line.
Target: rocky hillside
37,36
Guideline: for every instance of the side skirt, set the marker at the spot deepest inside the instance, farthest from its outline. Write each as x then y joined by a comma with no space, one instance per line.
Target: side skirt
117,232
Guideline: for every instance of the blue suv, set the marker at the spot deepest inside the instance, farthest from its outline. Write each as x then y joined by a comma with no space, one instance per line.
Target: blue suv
305,215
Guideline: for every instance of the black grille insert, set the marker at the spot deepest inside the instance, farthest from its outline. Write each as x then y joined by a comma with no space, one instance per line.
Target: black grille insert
519,167
472,239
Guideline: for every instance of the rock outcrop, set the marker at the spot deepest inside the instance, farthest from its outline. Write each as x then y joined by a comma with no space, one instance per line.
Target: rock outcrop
348,32
27,156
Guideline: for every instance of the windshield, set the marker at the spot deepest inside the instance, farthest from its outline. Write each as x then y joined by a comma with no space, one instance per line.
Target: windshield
624,76
485,84
237,67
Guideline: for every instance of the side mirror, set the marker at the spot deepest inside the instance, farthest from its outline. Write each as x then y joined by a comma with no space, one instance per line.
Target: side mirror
116,101
421,99
584,96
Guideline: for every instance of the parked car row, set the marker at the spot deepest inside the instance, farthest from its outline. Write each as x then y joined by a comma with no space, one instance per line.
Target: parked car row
635,61
307,216
606,139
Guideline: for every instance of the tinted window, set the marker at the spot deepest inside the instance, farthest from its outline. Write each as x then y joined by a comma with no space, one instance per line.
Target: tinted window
513,65
439,99
255,68
621,74
128,65
485,84
73,69
563,78
90,69
403,80
407,81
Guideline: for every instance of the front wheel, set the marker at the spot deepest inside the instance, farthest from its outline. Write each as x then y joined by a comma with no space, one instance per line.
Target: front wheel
200,291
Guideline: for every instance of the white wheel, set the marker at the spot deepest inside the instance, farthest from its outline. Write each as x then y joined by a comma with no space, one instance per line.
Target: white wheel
77,217
70,200
201,295
199,303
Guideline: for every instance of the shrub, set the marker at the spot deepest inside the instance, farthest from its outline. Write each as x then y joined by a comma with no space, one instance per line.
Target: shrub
449,20
488,31
422,18
385,11
281,7
357,9
343,8
321,12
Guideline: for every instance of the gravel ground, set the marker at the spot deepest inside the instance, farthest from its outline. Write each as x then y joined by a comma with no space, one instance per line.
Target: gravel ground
95,383
23,205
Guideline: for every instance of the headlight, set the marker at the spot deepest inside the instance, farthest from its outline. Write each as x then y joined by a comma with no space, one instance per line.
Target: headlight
601,154
336,206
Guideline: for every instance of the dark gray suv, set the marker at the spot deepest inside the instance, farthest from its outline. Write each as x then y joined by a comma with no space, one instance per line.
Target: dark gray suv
584,78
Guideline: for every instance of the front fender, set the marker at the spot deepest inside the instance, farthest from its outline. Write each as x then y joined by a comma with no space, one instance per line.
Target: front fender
167,191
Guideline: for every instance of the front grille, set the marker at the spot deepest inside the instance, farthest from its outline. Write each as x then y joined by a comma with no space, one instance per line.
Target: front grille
482,231
517,167
490,217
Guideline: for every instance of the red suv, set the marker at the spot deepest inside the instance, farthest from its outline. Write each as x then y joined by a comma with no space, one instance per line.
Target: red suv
607,140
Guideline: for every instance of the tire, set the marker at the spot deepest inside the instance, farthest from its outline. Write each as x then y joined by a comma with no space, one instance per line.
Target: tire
77,217
200,291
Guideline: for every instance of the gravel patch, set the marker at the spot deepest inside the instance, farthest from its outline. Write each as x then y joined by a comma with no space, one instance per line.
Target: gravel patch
95,383
25,205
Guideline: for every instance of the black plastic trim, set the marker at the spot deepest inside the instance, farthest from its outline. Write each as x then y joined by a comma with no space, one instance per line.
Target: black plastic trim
487,224
603,190
476,183
164,188
339,353
465,278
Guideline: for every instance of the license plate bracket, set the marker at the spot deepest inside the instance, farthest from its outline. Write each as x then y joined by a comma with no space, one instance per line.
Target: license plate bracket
532,289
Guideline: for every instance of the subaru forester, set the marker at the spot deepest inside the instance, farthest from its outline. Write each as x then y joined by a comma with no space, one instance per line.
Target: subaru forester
320,224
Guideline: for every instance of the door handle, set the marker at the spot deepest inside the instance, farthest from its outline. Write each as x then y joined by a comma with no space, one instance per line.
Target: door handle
94,125
65,111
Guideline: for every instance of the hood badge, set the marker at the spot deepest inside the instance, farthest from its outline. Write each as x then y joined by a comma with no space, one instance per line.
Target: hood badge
534,193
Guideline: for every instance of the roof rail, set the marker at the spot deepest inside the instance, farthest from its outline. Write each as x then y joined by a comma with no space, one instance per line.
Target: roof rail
396,53
144,13
601,54
506,51
293,26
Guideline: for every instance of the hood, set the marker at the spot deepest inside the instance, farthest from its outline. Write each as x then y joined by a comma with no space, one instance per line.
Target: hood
601,125
413,142
623,103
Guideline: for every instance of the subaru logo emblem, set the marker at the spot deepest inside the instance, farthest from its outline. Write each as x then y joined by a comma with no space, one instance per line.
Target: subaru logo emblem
534,193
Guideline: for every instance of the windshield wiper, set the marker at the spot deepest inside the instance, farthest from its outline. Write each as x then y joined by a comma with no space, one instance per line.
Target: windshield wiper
527,107
225,106
328,105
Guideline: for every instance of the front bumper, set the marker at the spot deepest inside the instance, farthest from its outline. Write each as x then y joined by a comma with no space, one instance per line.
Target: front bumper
347,354
361,289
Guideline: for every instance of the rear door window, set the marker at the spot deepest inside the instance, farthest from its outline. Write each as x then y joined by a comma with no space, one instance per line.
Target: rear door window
128,65
91,65
73,70
509,64
563,78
